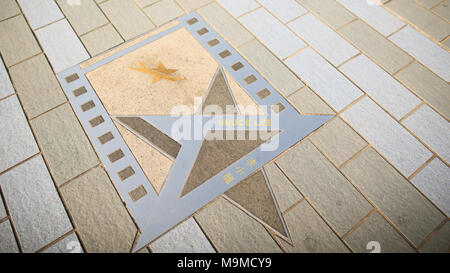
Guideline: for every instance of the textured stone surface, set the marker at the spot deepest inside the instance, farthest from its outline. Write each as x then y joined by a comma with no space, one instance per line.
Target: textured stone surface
101,39
314,175
84,17
40,13
42,218
329,10
70,244
8,242
228,229
338,141
308,102
239,7
190,5
6,87
102,220
37,86
428,3
285,10
187,237
64,143
443,10
409,210
440,242
17,142
164,11
8,8
285,193
3,213
144,3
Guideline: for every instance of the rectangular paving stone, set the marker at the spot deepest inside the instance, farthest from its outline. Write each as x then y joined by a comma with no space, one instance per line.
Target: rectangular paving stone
6,87
429,3
381,86
187,237
376,228
376,46
325,40
389,137
425,50
274,70
271,32
144,3
102,220
308,102
409,210
375,15
419,16
330,11
101,39
190,5
432,128
239,7
225,24
57,40
309,233
37,86
8,242
69,244
18,141
427,85
40,13
285,10
127,17
64,143
433,182
3,213
443,10
314,175
42,218
440,242
343,144
326,80
20,44
164,11
8,8
84,17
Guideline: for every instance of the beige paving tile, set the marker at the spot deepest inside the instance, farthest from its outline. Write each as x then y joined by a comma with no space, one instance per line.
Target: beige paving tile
37,86
376,46
127,17
232,230
20,44
285,193
8,8
408,209
428,3
377,229
314,175
64,143
440,242
309,103
225,24
447,44
271,68
239,7
443,10
103,222
330,11
84,17
338,141
6,87
309,233
144,3
101,39
190,5
164,11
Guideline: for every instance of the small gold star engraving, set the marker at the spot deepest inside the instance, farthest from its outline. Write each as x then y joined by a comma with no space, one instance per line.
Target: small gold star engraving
159,73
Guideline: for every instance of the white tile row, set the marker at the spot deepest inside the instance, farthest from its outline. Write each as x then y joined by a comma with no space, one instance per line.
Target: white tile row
40,13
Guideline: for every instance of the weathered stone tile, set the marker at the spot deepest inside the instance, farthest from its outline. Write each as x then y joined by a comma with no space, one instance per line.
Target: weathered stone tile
447,44
394,195
83,17
376,46
6,87
127,17
310,233
285,10
325,40
40,13
433,182
329,10
70,244
144,3
314,175
164,11
187,237
37,86
377,229
326,80
8,242
425,50
64,143
101,39
274,70
375,15
309,103
440,242
420,17
42,218
190,5
20,44
17,142
338,141
433,129
239,7
271,32
232,230
285,193
429,3
443,10
389,137
3,213
102,220
381,86
8,8
57,40
225,24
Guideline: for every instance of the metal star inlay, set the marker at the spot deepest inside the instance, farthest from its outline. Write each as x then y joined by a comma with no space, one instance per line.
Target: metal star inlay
159,73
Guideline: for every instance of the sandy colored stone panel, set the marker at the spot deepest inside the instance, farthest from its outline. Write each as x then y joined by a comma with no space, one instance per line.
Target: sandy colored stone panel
443,10
440,242
64,143
285,193
329,10
307,102
190,5
103,222
84,17
144,3
429,3
164,11
8,8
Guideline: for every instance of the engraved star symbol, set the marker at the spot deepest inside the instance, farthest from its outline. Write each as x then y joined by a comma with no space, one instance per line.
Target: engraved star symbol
159,73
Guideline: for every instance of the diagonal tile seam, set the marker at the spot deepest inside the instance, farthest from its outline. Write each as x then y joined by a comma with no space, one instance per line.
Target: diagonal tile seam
11,17
297,52
432,233
411,112
67,234
245,13
296,18
145,13
421,167
273,236
51,23
362,221
104,14
395,32
206,235
293,205
432,9
403,68
11,221
349,60
344,25
354,156
199,7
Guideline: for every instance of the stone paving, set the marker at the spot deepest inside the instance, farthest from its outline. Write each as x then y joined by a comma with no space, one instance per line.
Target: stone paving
378,170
